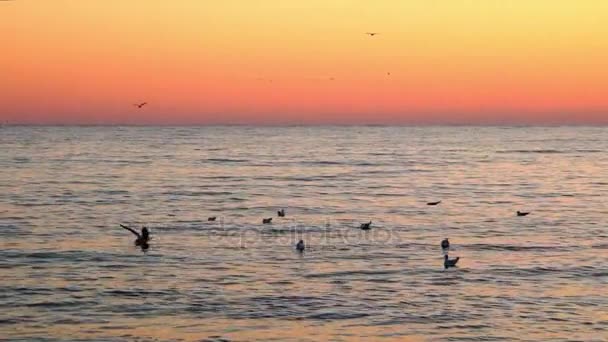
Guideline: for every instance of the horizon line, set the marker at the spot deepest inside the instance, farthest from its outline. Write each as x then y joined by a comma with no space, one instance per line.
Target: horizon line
278,125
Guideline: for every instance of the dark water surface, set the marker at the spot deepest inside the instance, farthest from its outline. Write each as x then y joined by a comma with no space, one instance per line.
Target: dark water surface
69,272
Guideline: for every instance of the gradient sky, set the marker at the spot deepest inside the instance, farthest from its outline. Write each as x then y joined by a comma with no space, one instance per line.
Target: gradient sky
304,62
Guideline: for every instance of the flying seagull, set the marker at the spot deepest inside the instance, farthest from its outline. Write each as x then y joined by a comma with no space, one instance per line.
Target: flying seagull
139,105
371,34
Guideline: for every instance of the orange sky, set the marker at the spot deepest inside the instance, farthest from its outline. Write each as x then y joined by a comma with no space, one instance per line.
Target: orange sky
273,61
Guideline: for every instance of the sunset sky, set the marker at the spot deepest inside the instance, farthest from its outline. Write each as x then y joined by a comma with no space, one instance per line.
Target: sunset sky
304,62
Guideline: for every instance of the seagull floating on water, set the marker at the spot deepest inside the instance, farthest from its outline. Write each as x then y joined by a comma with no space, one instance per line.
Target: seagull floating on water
366,226
445,244
433,203
300,246
521,213
447,263
142,239
267,220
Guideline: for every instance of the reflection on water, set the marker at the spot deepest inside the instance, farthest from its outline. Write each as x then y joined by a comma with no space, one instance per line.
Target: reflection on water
69,272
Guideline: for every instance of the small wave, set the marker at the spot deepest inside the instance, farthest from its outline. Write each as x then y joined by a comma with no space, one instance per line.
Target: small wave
196,193
350,273
337,315
563,272
514,248
21,160
226,160
531,151
59,304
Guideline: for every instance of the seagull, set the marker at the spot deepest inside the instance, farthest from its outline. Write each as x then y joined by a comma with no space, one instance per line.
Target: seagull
139,105
300,246
366,226
371,34
521,213
447,263
212,218
267,220
142,239
445,244
281,213
433,203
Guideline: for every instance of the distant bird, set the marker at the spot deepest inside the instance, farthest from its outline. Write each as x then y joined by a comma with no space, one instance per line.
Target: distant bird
366,226
371,34
300,246
445,243
212,218
433,203
447,263
267,220
388,73
521,213
281,213
139,105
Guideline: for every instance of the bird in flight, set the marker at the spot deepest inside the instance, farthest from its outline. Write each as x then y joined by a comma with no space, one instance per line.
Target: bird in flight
139,105
371,34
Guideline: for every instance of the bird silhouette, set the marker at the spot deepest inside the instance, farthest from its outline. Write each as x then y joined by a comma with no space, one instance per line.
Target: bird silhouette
433,203
300,246
445,243
142,239
267,220
366,226
281,213
371,34
140,105
521,213
212,218
447,263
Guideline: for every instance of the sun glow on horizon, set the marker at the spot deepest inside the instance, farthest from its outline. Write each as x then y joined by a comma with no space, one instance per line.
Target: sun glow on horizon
274,61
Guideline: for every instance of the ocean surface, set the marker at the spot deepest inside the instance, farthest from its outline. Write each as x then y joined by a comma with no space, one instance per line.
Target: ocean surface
68,272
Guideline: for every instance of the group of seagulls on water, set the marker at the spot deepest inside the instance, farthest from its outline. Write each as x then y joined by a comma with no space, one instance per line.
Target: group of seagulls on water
144,237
